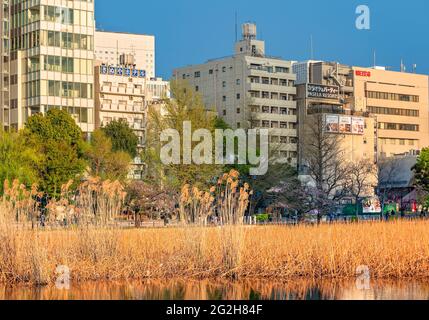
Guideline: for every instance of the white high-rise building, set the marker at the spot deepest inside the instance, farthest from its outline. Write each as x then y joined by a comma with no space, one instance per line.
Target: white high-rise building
250,90
47,55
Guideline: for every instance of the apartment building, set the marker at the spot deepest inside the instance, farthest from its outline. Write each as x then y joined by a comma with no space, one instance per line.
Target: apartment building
250,90
376,112
124,88
400,104
120,48
47,59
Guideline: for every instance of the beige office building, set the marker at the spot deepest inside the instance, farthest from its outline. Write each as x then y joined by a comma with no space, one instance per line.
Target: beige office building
376,113
400,104
119,48
250,90
47,60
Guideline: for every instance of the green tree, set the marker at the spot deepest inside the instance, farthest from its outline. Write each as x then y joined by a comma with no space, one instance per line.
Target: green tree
103,161
122,136
421,170
61,146
18,159
187,105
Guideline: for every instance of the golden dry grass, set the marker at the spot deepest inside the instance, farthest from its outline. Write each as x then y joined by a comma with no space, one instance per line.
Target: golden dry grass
390,250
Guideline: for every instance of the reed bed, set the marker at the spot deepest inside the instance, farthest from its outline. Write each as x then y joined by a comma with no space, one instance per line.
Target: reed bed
392,250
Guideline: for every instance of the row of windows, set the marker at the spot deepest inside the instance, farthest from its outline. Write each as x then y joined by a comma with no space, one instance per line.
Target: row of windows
274,124
69,89
289,154
391,96
64,89
272,81
398,126
400,142
283,139
61,64
273,110
394,111
79,114
55,14
67,40
272,95
58,39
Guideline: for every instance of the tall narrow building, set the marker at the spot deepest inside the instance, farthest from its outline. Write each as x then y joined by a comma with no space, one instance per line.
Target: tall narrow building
47,60
250,90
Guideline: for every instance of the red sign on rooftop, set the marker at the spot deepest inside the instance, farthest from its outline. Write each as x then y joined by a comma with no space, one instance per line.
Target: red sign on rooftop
360,73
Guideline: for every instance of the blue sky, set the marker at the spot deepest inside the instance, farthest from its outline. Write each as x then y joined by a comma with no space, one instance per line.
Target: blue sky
192,31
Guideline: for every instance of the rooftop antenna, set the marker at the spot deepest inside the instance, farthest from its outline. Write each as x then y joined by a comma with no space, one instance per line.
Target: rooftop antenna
236,26
311,47
402,66
375,58
414,68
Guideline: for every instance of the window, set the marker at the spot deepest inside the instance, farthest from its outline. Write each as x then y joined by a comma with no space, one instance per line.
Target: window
238,110
237,82
197,74
197,88
223,69
238,96
223,84
211,71
224,98
224,112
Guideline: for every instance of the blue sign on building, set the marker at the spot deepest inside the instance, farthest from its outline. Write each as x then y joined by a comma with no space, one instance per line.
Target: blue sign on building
120,71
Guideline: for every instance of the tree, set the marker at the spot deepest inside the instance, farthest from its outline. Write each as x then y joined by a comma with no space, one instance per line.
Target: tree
326,166
187,105
387,173
61,146
103,161
122,136
18,160
421,170
361,180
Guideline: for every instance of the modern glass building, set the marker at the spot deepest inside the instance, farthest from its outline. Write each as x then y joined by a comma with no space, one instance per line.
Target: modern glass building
49,54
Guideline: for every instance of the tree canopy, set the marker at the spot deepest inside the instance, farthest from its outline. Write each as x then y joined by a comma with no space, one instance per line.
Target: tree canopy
122,136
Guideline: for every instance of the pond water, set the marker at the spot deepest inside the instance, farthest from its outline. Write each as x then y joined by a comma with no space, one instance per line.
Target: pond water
207,290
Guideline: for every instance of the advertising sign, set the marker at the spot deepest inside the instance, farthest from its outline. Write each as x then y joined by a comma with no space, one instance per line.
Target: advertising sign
322,92
331,123
120,71
345,124
371,205
358,126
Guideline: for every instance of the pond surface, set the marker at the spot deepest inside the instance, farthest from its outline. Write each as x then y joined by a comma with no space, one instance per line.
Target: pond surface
207,290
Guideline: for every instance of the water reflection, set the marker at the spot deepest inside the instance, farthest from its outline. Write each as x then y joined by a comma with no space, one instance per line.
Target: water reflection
209,290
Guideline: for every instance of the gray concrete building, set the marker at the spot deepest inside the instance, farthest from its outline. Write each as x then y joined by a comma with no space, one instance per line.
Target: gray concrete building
250,90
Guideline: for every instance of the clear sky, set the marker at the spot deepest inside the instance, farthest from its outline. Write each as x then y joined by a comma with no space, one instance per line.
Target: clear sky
192,31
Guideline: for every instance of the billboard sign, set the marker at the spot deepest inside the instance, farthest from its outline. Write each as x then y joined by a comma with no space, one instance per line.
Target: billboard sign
322,92
371,205
345,124
358,126
331,123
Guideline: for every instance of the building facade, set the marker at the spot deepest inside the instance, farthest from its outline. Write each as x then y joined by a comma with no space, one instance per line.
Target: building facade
250,90
377,113
119,48
50,55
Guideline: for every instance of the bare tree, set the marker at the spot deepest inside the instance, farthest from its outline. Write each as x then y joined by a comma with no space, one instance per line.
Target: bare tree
323,157
361,179
387,172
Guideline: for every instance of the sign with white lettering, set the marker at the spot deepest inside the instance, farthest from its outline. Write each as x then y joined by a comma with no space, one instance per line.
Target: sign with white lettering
120,71
322,92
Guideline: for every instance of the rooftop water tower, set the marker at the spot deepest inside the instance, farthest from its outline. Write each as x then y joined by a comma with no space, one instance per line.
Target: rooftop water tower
249,31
